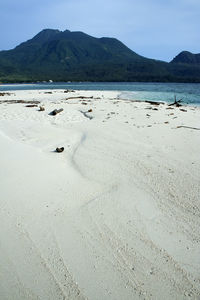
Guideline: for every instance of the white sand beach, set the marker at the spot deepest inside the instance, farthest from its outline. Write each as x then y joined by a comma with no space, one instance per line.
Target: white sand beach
116,215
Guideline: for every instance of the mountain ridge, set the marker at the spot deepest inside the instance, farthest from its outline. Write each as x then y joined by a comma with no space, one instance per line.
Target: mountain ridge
77,56
187,57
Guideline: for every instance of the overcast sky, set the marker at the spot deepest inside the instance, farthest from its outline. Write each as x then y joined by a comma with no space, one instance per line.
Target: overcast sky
154,28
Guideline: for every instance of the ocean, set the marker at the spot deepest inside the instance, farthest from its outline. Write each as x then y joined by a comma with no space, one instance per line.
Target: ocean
188,92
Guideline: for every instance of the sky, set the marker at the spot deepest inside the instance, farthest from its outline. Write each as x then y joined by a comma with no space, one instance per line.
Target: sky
157,29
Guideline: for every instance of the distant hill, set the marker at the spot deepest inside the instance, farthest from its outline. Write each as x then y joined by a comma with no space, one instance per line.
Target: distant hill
186,57
76,56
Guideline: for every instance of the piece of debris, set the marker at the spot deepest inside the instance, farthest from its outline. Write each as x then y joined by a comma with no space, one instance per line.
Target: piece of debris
148,115
5,94
79,97
86,115
176,102
185,110
153,102
90,110
166,122
31,105
84,103
20,101
60,149
188,127
41,108
68,91
170,107
56,111
48,93
148,101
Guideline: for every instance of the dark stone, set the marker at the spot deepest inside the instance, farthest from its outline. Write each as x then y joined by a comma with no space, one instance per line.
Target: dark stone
60,149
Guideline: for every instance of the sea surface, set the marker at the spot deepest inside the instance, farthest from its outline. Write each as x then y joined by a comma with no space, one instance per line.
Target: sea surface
166,92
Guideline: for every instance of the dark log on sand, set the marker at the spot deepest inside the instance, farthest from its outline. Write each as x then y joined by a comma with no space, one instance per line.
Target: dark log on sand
153,102
176,102
56,111
20,101
60,149
31,105
68,91
5,94
79,97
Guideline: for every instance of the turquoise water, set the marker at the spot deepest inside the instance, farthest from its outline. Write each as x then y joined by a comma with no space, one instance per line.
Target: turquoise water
188,92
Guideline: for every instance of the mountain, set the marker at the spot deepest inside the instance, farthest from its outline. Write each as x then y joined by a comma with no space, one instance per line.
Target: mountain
186,57
76,56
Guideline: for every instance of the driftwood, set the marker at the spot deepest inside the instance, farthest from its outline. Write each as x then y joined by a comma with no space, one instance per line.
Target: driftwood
89,110
188,127
152,108
152,102
68,91
20,101
56,111
41,108
31,105
138,101
144,101
176,102
86,115
5,94
79,97
60,149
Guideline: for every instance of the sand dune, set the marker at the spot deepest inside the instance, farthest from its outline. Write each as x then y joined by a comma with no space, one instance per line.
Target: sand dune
114,216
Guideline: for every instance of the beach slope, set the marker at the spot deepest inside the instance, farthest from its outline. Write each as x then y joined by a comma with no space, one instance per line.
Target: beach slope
116,215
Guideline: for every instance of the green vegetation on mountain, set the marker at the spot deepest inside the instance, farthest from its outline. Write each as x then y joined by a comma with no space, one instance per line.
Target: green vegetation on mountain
186,57
76,56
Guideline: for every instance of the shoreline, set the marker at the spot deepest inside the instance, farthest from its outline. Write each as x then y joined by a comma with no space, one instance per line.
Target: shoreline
116,214
166,92
119,96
